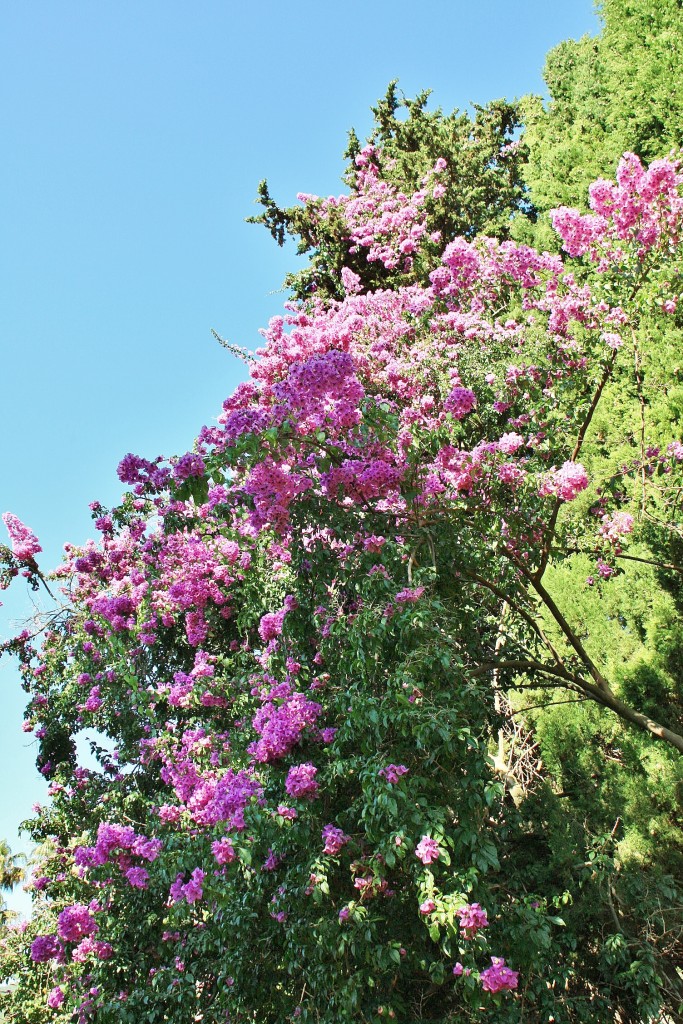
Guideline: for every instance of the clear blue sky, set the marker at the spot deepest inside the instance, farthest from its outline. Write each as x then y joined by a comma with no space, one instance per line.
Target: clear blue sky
134,138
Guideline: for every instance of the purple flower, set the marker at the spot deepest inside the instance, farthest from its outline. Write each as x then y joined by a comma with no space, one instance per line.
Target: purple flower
460,402
138,877
193,890
189,465
75,922
46,947
301,782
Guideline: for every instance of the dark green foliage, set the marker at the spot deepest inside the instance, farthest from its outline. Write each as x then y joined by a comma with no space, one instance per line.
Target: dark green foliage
483,179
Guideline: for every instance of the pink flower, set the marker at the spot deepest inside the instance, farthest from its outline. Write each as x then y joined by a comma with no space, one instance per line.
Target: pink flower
472,918
270,625
223,851
620,524
334,839
351,281
300,781
566,482
55,998
509,443
393,772
427,850
498,977
427,907
24,542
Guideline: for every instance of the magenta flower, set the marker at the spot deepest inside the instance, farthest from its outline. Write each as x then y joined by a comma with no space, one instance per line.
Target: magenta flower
498,977
460,402
24,542
427,907
427,850
75,922
223,851
55,998
393,772
334,839
138,877
46,947
472,918
301,782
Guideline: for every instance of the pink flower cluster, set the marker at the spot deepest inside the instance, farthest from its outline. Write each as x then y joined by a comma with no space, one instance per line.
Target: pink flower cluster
334,839
393,772
427,850
612,528
643,206
25,544
498,977
472,917
191,891
223,851
301,782
566,482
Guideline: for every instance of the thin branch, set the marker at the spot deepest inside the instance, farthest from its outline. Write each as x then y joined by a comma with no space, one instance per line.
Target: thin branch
552,522
530,621
550,704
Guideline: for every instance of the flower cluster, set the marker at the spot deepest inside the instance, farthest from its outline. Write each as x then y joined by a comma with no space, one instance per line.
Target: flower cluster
25,544
472,917
427,850
498,977
334,839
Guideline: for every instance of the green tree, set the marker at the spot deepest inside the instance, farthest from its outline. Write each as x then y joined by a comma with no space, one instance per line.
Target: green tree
482,182
610,94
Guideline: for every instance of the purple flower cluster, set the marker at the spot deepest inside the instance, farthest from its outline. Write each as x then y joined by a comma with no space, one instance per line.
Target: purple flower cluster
281,721
191,891
46,947
300,781
75,922
460,401
188,465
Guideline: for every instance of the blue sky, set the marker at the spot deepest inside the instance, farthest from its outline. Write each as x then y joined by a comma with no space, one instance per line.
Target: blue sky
135,135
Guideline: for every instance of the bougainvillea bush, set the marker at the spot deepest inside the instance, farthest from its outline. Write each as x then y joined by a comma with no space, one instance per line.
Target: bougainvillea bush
295,647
